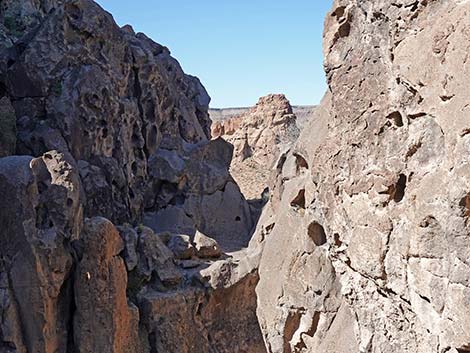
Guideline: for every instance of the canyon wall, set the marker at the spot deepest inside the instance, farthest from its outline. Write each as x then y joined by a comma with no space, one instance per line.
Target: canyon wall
366,239
118,214
122,229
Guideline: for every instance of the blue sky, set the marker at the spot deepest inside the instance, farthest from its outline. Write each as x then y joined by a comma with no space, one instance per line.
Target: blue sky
240,49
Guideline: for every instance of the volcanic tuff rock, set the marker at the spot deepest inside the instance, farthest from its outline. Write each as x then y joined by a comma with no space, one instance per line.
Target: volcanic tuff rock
115,101
302,112
367,245
363,246
121,140
258,136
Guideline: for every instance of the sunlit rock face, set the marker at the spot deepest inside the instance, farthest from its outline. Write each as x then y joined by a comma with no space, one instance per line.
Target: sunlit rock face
366,245
259,136
115,205
122,229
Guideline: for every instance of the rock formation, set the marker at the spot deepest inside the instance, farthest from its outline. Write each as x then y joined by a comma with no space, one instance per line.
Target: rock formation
116,208
369,235
122,229
258,136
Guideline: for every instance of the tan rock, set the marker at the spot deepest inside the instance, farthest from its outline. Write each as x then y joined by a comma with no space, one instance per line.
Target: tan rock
258,135
206,247
388,180
104,320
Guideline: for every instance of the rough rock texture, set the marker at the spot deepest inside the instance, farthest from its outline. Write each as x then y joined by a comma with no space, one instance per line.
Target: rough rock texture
103,135
7,128
112,99
100,294
366,242
258,136
40,214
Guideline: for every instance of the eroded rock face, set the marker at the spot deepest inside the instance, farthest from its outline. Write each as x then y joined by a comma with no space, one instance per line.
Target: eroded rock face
105,95
259,136
122,140
104,320
375,221
40,214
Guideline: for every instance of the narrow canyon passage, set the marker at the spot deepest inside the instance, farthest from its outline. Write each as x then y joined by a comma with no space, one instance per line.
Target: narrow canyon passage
134,219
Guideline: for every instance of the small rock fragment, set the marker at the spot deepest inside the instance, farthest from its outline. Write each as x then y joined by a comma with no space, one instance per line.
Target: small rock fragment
206,247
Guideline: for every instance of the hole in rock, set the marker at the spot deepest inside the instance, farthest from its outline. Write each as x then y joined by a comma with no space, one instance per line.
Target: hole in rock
317,233
69,202
299,200
400,187
465,204
344,30
465,132
396,118
446,98
413,149
238,219
134,167
300,162
313,328
338,12
338,241
397,192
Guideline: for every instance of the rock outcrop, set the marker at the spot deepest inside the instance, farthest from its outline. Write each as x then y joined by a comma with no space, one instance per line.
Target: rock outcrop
122,229
367,245
119,105
108,180
259,136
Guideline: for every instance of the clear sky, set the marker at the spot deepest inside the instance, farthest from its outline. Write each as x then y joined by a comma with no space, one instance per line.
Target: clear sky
240,49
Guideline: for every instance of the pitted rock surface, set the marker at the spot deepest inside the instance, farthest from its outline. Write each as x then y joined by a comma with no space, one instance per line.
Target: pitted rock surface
258,135
370,243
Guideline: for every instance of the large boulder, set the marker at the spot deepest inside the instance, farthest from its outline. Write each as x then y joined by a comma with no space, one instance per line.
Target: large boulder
104,320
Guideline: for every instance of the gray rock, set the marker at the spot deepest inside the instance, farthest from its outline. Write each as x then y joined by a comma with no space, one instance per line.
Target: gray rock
181,246
7,128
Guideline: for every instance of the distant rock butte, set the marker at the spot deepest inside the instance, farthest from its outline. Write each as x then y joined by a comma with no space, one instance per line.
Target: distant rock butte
302,112
259,135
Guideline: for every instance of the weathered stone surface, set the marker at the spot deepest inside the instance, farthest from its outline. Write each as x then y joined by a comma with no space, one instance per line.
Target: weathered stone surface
386,177
192,320
7,128
132,136
362,247
104,320
181,246
110,98
259,135
194,191
40,215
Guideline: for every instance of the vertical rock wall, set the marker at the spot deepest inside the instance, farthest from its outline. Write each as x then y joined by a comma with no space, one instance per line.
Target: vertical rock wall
369,251
102,132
